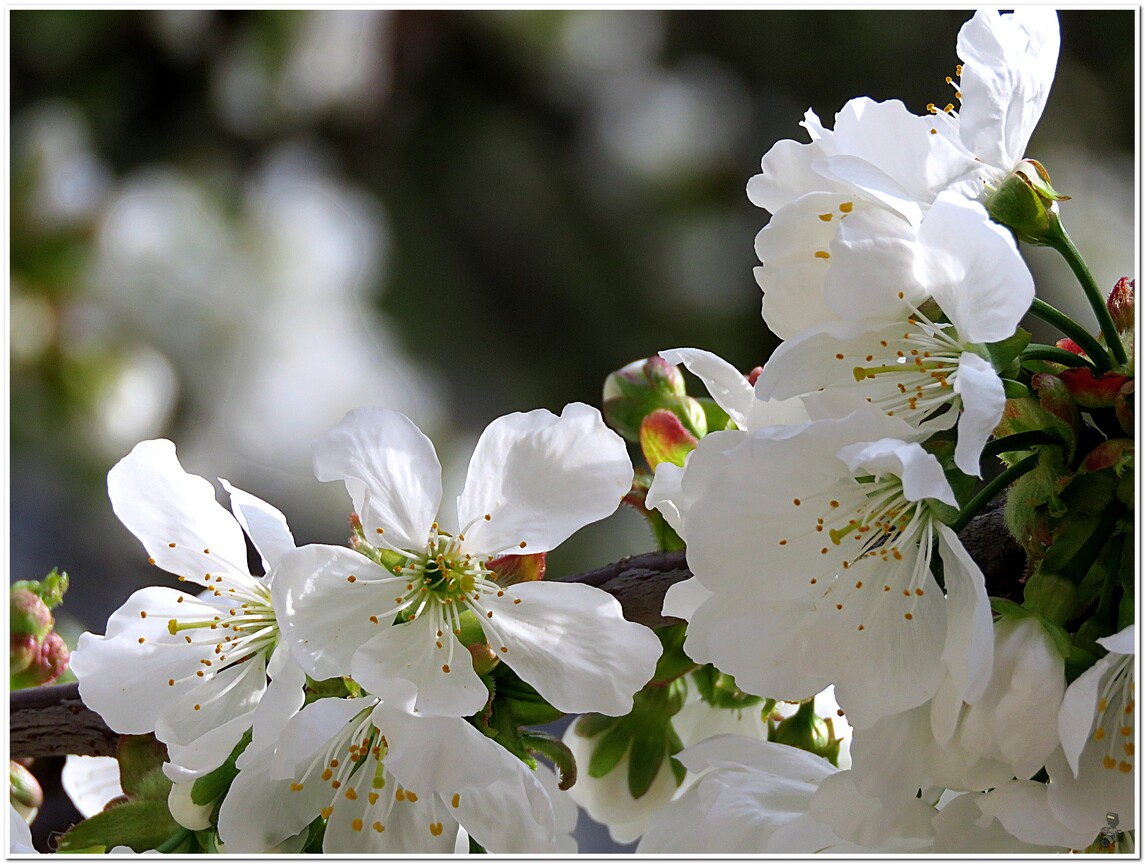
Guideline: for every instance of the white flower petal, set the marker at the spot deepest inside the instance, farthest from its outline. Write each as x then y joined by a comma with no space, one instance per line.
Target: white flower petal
1079,715
263,523
91,781
19,834
1022,807
983,400
540,478
1008,63
125,680
921,473
684,598
572,643
665,494
174,514
202,725
283,699
971,266
402,666
968,653
324,614
499,801
391,472
727,385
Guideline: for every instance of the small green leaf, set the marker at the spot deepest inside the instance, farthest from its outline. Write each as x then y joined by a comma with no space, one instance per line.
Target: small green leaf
1004,353
609,750
590,725
644,762
141,825
1014,389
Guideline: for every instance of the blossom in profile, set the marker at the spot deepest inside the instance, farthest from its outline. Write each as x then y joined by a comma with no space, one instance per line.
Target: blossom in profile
191,668
533,480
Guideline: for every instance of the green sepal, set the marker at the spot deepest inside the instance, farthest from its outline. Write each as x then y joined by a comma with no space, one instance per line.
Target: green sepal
717,418
141,759
213,786
1014,389
646,758
1063,644
140,825
673,662
719,689
532,713
556,751
591,725
1005,355
609,750
50,589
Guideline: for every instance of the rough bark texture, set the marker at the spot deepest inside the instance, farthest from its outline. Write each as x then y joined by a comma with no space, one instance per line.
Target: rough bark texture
50,721
53,721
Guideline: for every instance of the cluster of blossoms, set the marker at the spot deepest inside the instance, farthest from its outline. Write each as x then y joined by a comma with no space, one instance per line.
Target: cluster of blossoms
378,697
822,523
322,704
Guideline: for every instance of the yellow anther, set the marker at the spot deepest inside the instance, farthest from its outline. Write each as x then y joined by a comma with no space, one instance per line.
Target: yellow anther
847,206
351,795
296,787
325,812
455,802
435,828
822,254
826,217
379,827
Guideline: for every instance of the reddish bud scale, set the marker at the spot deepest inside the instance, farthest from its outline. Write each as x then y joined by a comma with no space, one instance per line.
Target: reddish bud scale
1090,391
1117,453
1072,347
663,438
1121,304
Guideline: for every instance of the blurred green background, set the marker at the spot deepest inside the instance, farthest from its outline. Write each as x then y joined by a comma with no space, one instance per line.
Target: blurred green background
229,228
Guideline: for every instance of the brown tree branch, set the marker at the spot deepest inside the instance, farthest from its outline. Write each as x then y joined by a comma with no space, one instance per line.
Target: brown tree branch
53,721
50,721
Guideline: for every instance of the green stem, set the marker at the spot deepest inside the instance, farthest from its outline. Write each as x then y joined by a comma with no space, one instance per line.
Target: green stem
1054,355
1064,245
1099,356
173,842
986,493
1018,441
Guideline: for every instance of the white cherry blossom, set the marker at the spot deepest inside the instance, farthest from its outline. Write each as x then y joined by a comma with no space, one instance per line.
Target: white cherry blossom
385,782
191,669
533,480
815,543
1008,65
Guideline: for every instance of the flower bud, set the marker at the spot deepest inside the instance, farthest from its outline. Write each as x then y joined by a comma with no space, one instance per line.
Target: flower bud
192,816
29,615
663,438
635,391
1026,203
24,791
47,661
1121,304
